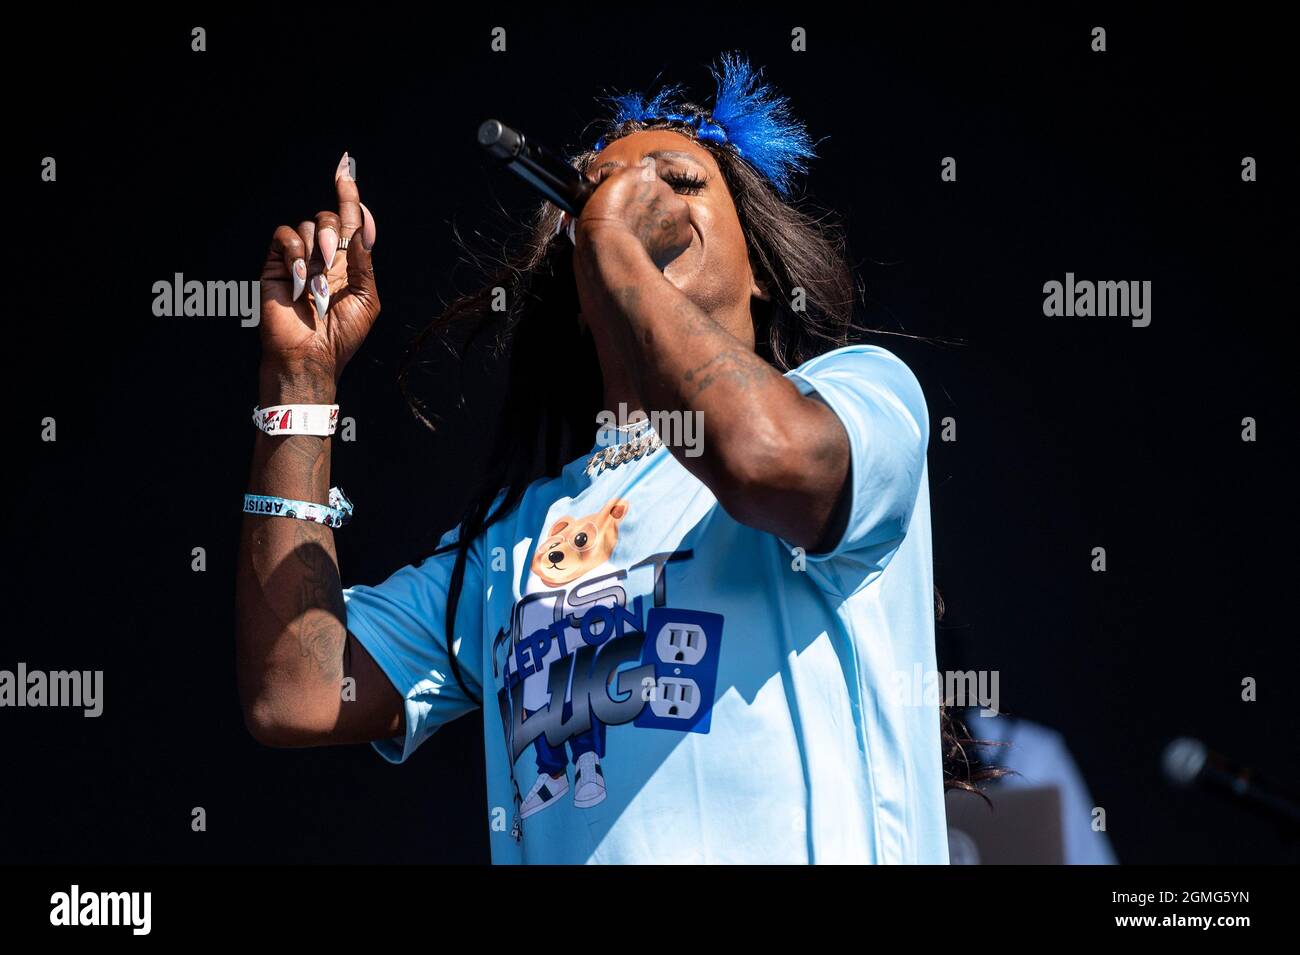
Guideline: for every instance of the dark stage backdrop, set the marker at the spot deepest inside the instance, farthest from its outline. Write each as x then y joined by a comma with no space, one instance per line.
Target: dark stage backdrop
1072,433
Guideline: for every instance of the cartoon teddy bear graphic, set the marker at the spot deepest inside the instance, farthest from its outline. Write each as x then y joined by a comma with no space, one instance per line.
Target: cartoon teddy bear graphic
573,552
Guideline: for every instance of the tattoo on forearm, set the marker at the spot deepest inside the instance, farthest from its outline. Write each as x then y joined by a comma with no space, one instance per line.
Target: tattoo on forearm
304,455
729,360
289,586
322,613
736,365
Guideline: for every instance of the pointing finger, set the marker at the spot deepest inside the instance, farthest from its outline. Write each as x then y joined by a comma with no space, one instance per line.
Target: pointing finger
345,182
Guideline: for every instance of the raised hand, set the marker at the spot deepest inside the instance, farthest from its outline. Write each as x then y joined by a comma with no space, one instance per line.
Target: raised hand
319,299
635,201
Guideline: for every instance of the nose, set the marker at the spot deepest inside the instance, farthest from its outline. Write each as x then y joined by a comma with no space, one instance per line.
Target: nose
555,556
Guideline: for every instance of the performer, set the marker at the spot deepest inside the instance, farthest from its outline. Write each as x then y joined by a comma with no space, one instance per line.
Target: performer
682,651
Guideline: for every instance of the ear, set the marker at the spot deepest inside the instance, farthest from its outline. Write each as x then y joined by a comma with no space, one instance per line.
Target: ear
560,525
617,509
758,289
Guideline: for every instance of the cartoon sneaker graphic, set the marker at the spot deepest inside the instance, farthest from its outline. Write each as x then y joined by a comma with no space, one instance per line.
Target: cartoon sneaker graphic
545,791
588,782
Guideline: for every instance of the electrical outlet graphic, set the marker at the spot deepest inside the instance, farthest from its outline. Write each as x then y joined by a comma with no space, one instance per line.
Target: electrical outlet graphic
683,643
676,698
683,646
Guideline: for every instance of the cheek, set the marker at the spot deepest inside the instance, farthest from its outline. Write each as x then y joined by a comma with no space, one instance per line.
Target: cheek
709,242
724,237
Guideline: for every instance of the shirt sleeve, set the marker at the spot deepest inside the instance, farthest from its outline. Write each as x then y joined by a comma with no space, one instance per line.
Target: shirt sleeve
401,623
880,403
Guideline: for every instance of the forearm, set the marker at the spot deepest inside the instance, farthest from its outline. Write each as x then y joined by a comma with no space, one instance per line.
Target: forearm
759,434
291,617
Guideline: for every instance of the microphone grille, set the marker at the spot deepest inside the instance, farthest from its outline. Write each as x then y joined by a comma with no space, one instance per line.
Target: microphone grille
1183,760
498,138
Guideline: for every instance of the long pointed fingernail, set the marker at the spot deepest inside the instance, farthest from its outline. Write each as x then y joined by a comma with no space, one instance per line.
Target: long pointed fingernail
328,240
345,170
367,228
299,277
320,290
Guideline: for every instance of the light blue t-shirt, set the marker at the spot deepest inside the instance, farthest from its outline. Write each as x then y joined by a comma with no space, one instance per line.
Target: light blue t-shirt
671,686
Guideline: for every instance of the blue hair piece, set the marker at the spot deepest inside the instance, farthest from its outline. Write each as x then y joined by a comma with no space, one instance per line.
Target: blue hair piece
747,114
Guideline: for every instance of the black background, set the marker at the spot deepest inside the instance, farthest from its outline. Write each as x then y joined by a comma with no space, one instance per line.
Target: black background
1072,433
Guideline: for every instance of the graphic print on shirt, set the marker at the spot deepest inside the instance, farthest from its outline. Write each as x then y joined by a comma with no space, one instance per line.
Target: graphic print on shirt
580,658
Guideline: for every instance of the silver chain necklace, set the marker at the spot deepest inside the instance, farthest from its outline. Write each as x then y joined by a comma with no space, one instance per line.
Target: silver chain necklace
645,443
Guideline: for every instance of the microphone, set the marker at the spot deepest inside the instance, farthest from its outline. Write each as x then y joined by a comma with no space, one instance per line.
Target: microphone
1189,763
538,166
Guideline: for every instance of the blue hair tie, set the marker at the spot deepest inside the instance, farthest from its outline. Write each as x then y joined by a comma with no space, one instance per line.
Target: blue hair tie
747,114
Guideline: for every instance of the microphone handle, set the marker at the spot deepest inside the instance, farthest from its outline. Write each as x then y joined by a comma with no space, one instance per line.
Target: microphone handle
550,175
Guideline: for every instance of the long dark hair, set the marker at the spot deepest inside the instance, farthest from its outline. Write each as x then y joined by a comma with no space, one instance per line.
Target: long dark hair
520,311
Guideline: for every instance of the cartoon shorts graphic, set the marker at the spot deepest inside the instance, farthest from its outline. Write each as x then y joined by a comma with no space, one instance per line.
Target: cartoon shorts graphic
582,657
573,549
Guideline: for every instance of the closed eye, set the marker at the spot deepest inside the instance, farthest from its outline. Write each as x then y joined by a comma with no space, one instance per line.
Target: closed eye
685,183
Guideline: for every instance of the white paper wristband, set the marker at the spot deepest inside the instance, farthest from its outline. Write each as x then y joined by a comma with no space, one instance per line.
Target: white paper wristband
297,419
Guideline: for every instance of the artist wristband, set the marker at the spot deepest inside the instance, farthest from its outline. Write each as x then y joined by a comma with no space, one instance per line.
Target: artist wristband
335,514
297,419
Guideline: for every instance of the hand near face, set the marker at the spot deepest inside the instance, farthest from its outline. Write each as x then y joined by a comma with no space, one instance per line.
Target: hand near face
634,201
662,207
